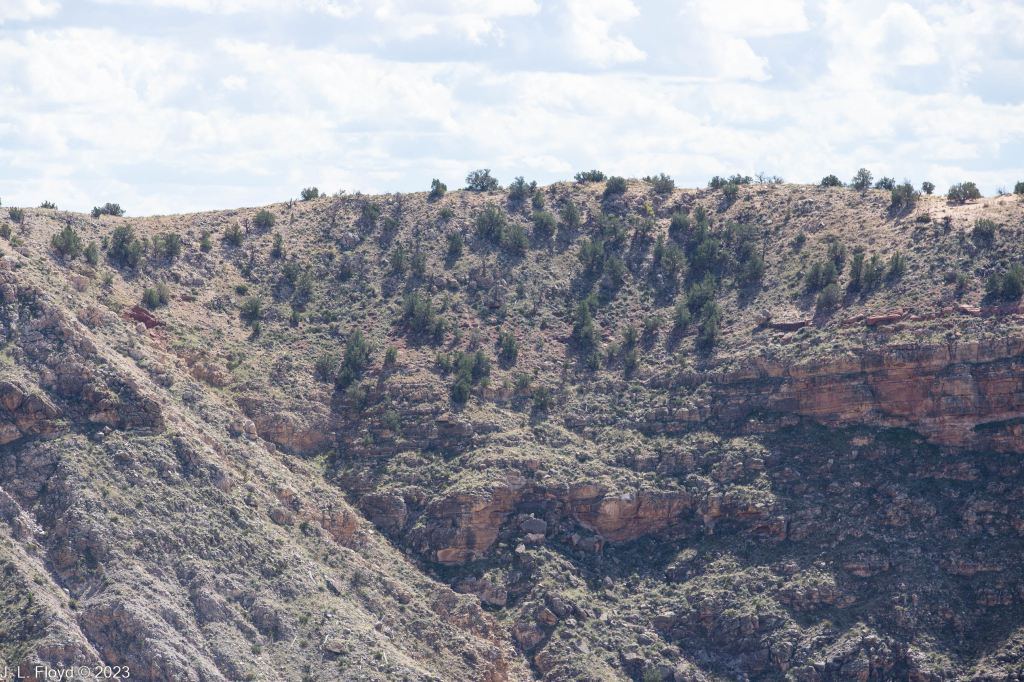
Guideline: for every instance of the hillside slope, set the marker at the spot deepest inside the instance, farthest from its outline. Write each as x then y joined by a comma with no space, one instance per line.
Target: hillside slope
401,438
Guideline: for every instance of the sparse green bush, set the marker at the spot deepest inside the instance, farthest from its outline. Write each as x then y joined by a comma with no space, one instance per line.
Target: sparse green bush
242,289
903,196
886,183
67,242
5,231
831,181
150,298
16,214
589,176
897,265
508,346
1019,187
543,225
630,360
437,190
523,382
92,254
233,234
680,317
630,335
107,209
389,420
513,238
357,357
1009,286
455,245
125,248
252,308
204,242
48,204
730,191
398,261
418,263
661,183
709,331
481,181
591,256
615,270
571,215
542,398
370,214
491,222
830,297
390,355
862,180
310,193
928,187
652,324
615,185
291,271
519,189
167,245
264,220
446,213
538,201
583,330
819,276
984,230
963,192
277,250
325,366
678,226
418,312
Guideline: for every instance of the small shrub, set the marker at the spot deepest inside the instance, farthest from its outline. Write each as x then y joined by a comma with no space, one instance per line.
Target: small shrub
886,183
630,361
928,187
370,214
277,250
397,260
437,190
519,189
390,421
204,242
543,225
589,176
444,362
513,238
615,270
591,256
583,330
16,214
923,218
820,275
508,346
67,242
862,180
615,185
709,332
242,289
481,181
903,196
310,193
630,336
107,209
418,312
831,181
538,201
233,234
730,191
1009,286
48,204
680,316
571,215
984,230
92,254
264,220
542,398
125,248
5,231
963,192
150,298
446,213
455,245
652,324
661,183
897,265
325,366
418,263
491,222
390,355
252,308
830,297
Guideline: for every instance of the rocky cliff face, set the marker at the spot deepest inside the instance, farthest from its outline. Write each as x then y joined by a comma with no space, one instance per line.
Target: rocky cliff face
229,486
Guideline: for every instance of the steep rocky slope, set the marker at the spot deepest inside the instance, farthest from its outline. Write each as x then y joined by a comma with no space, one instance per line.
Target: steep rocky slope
205,475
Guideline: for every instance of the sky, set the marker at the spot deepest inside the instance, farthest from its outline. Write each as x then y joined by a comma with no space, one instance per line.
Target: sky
173,106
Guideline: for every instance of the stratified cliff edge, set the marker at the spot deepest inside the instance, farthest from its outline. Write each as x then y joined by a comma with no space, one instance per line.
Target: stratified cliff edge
380,438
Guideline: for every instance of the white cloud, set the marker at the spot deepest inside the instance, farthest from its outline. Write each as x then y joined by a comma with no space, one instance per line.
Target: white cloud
330,7
161,124
752,17
474,19
589,32
24,10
